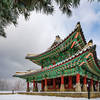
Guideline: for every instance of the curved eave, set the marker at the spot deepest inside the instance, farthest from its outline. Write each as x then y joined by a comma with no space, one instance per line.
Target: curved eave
57,46
31,74
20,76
95,60
27,57
92,70
92,65
96,63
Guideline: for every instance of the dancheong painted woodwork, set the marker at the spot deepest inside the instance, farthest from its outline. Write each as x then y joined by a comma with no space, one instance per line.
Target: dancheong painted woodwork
68,65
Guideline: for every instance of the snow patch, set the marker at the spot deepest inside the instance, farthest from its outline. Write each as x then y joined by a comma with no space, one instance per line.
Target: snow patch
32,97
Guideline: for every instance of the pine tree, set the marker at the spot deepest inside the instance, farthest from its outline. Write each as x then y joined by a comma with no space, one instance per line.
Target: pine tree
11,9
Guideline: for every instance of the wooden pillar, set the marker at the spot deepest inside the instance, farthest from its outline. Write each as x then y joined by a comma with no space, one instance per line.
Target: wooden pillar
62,87
28,89
46,87
85,84
91,86
70,82
34,86
54,84
78,86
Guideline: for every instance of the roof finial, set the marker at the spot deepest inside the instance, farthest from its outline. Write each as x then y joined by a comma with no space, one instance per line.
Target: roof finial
77,25
57,37
78,22
90,43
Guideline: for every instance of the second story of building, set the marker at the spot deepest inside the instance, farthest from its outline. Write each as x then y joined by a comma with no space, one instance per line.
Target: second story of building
61,49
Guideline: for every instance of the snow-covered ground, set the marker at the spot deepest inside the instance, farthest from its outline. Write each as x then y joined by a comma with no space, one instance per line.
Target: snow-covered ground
5,91
11,91
32,97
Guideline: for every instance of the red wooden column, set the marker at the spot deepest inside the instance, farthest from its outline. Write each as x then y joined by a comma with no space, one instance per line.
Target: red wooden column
34,85
85,83
96,83
62,79
62,87
78,86
91,84
54,84
28,87
46,88
91,81
78,78
45,82
70,82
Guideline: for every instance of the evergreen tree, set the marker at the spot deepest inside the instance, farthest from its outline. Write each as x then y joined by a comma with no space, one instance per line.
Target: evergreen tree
11,9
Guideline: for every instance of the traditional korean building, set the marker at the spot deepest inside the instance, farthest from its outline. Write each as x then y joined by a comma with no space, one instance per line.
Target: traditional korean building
68,65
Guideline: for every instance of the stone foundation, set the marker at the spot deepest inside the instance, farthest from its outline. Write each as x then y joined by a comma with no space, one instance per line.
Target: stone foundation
28,90
97,88
78,87
91,88
72,90
62,94
46,88
35,89
62,88
85,87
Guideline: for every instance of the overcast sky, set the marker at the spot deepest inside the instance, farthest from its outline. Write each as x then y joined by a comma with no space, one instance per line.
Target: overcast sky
38,33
